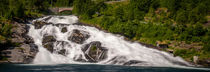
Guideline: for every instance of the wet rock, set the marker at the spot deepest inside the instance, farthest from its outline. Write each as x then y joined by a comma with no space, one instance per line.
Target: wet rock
64,29
48,42
118,60
39,24
63,45
62,52
78,36
132,62
23,54
94,52
79,58
28,39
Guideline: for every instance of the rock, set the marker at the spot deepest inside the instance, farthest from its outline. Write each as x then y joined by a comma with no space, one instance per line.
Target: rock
170,51
78,36
63,46
28,39
48,43
18,31
94,52
62,52
205,62
195,59
18,40
64,29
161,44
118,60
23,54
131,62
39,24
25,51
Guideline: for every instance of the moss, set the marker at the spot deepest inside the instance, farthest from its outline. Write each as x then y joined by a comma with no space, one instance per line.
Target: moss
21,48
4,58
93,48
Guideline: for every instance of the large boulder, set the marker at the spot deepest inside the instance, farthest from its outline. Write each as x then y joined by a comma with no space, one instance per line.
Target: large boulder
22,49
23,54
78,36
48,42
94,52
64,29
63,45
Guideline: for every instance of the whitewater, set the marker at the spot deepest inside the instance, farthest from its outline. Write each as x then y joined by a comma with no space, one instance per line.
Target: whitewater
119,52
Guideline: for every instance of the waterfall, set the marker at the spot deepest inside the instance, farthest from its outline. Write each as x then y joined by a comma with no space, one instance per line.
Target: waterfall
119,51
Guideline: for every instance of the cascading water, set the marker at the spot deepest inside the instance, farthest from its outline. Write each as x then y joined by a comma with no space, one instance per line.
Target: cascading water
119,51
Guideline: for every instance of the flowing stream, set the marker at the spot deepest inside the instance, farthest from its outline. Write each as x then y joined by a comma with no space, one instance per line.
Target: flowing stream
119,51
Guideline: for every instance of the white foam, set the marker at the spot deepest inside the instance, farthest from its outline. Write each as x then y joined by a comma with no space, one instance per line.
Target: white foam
117,46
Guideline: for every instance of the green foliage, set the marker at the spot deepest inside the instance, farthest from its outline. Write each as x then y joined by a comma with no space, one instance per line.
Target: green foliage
5,29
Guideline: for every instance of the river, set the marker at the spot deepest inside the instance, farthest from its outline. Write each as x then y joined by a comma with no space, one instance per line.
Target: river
69,53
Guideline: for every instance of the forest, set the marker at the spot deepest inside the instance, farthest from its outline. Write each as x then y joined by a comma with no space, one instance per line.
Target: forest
148,21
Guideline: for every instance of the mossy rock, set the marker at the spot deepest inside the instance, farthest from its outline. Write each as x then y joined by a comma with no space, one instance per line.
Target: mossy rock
64,29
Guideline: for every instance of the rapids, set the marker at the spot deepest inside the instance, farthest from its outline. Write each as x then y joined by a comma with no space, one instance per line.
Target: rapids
119,52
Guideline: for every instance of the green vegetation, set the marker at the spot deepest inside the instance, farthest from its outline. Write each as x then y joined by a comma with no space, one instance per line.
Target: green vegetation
150,21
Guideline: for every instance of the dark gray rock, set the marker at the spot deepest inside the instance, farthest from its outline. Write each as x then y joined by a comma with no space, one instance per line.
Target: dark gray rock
78,36
63,45
25,51
163,45
204,62
64,29
48,42
23,54
131,62
39,24
118,60
94,52
62,52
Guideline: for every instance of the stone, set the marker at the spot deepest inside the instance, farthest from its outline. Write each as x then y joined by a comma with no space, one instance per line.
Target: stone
170,51
28,39
23,54
18,40
131,62
62,52
204,62
195,59
118,60
94,52
63,46
161,44
78,36
48,42
39,24
64,29
25,50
